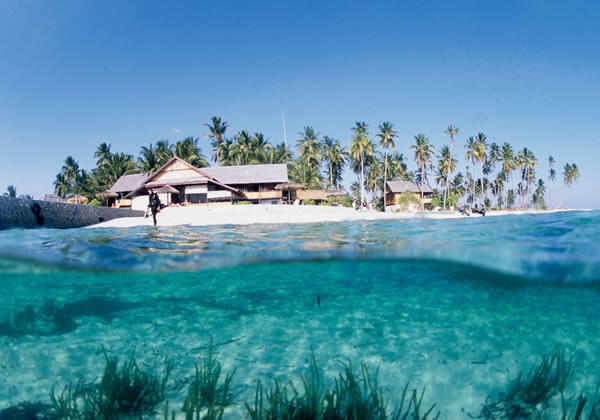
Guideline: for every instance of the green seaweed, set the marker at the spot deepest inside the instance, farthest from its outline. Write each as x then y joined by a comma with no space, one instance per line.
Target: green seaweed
127,390
529,395
206,390
353,396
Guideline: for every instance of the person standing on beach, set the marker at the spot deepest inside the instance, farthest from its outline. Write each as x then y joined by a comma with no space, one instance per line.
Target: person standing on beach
153,204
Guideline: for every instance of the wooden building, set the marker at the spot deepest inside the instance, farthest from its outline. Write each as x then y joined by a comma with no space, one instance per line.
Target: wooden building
180,183
394,189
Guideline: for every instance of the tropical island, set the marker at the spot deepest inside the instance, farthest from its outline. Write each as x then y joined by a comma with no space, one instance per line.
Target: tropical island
248,169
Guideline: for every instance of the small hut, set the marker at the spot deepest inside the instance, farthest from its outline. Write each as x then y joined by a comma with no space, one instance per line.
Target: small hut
107,196
77,199
288,190
316,196
168,191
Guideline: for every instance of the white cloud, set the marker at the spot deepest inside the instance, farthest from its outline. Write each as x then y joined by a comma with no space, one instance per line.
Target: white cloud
176,130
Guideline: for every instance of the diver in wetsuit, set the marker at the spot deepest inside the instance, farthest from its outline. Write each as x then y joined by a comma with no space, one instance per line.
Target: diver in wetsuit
153,204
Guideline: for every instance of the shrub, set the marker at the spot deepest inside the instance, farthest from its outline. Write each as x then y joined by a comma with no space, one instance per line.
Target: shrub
406,199
95,202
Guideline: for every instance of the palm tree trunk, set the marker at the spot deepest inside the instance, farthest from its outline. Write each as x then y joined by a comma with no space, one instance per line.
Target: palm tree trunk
330,176
362,180
482,192
385,180
422,179
447,189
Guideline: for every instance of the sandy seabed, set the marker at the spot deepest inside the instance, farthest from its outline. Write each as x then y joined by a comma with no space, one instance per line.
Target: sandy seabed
251,214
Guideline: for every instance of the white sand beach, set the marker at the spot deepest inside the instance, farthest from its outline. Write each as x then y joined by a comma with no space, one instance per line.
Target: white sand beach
253,214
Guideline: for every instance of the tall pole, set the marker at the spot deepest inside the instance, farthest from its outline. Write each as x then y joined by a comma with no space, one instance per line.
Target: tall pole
284,135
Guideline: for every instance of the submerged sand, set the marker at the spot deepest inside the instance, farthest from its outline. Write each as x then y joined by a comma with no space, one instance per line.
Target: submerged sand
252,214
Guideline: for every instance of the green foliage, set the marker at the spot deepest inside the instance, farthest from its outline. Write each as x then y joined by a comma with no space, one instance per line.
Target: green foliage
353,396
406,199
241,203
530,394
308,202
95,202
127,390
206,390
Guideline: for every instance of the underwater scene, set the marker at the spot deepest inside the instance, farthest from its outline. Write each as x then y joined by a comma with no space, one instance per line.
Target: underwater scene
491,317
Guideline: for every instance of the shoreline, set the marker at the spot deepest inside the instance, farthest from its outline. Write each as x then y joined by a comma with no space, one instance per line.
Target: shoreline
289,214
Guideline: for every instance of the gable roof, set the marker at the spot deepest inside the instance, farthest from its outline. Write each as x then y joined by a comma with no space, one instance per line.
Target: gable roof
249,174
407,186
128,183
202,177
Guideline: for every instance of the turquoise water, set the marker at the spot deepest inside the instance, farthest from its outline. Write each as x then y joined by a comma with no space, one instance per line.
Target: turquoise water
456,306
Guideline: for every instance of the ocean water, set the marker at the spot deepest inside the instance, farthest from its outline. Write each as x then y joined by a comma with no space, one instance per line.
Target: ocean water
456,306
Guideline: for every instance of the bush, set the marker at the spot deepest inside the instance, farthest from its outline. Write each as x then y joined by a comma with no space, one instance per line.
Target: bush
406,199
242,202
308,202
95,202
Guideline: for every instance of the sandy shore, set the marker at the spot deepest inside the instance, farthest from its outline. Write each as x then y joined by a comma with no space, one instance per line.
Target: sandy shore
251,214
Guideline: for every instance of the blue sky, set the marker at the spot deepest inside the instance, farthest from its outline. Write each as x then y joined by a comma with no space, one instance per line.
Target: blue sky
74,74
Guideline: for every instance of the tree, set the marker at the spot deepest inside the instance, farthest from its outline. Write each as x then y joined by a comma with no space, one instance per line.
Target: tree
570,174
117,165
508,163
241,150
260,148
551,175
335,155
386,137
471,155
188,150
217,129
423,153
309,148
102,153
538,195
147,162
11,191
164,152
481,157
360,147
446,165
450,131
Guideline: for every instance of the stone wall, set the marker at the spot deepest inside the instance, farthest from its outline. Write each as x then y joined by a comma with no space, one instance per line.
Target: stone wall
18,212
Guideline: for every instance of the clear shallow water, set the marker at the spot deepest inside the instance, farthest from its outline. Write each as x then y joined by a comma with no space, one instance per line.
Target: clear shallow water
458,306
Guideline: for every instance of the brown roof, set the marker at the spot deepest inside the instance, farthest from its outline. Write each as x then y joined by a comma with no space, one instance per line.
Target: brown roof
249,174
407,186
128,183
181,181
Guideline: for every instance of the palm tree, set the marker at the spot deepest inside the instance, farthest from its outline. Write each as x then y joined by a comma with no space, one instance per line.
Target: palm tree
260,147
310,151
570,174
450,131
217,129
386,137
551,175
148,161
360,147
62,186
164,152
538,195
446,165
117,165
242,148
188,150
335,155
508,163
102,153
481,157
471,155
494,158
423,153
397,168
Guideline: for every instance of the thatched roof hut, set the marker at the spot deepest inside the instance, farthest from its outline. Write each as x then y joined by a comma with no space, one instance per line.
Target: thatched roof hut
77,199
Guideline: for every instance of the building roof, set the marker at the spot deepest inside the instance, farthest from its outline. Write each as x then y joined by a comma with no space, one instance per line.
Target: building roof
180,181
407,186
128,183
51,197
249,174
